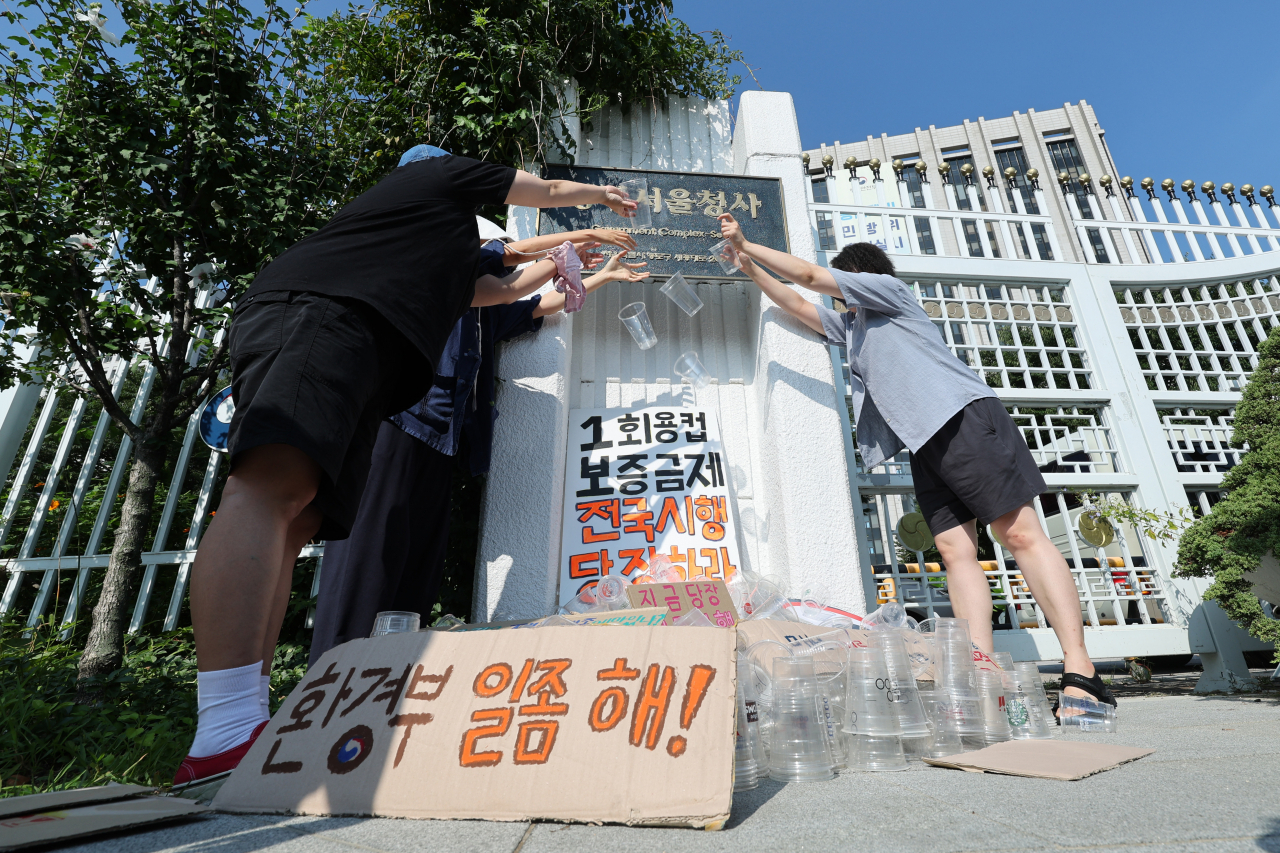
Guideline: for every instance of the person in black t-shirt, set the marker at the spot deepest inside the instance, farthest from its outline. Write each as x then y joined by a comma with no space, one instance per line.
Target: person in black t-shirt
337,333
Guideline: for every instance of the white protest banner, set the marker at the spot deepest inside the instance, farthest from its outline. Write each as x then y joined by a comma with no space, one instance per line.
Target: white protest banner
639,482
609,724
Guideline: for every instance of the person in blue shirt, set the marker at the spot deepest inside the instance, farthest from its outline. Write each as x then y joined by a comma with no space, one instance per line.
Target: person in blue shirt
394,558
969,463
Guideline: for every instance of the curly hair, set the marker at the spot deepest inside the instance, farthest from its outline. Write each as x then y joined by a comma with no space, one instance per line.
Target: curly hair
863,257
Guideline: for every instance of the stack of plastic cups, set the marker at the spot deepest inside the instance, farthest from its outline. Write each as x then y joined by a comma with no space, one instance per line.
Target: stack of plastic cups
995,717
1030,685
1086,714
395,622
907,704
944,741
1027,720
830,663
751,711
957,681
746,774
871,718
798,750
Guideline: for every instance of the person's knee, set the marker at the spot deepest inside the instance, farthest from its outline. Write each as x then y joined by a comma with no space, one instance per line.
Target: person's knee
1019,531
276,477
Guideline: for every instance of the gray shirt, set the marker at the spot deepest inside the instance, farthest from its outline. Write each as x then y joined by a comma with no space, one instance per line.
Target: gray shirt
906,383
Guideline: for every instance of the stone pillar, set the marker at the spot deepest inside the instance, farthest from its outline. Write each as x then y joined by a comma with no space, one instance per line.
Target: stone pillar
808,534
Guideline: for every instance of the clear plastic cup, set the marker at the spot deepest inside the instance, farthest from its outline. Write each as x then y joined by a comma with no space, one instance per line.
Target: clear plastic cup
638,190
693,619
1004,660
830,658
1028,708
678,291
586,601
906,697
556,621
871,717
751,708
765,601
995,716
726,256
447,622
944,742
395,622
890,615
798,750
659,570
611,591
746,773
1086,714
689,367
636,318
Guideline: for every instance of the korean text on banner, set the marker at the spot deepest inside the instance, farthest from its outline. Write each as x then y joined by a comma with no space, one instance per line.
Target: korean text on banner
619,725
640,482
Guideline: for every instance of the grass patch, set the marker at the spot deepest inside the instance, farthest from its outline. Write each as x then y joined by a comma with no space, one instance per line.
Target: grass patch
137,733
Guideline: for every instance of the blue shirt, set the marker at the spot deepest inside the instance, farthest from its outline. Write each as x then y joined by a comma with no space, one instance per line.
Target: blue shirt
460,402
906,383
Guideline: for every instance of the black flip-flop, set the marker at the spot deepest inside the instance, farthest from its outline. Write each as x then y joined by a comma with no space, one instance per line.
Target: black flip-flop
1092,685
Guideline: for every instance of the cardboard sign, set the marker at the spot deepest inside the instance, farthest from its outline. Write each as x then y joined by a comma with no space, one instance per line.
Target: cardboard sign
49,827
639,482
1044,759
630,726
709,596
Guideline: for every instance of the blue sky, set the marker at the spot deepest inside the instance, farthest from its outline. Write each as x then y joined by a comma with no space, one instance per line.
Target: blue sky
1183,89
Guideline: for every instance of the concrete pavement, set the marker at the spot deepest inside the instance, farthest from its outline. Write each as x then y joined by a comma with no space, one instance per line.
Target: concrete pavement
1212,785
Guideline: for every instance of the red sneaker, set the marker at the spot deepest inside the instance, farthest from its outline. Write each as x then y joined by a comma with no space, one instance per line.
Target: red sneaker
210,768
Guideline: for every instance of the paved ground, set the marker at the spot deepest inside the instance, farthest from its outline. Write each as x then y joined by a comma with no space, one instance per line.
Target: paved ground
1213,784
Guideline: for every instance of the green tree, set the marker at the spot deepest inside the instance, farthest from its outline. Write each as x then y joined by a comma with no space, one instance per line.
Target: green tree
496,82
1245,525
151,167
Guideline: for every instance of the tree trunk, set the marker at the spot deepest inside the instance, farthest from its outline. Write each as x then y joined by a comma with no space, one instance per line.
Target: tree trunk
104,650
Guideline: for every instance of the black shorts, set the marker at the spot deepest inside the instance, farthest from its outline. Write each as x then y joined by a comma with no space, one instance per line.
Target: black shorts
976,466
320,373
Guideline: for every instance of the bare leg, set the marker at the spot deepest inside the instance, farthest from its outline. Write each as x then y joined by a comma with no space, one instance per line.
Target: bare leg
237,571
300,533
1049,578
966,584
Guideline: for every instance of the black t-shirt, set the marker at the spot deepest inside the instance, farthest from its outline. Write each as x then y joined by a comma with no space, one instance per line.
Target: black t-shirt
408,248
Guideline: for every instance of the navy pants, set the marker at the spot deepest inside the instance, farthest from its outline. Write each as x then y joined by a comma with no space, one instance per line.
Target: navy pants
394,558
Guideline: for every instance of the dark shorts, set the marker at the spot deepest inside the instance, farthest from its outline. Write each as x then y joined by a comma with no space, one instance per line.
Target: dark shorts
976,466
320,373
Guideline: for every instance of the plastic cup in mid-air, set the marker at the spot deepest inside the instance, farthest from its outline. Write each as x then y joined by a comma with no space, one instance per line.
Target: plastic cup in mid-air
636,318
726,256
689,367
395,622
1086,714
638,191
681,293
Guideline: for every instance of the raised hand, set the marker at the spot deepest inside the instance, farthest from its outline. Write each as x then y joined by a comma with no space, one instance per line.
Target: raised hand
613,237
590,259
616,200
620,270
731,230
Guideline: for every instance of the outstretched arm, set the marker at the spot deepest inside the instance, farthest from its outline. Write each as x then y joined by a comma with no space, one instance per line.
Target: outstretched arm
530,191
786,298
803,273
523,251
615,270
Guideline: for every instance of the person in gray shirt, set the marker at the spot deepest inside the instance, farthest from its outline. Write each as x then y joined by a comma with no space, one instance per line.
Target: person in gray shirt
969,463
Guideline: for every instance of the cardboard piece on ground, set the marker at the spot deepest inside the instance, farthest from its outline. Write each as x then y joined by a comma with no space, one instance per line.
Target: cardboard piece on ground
32,803
710,595
611,725
49,827
637,616
1044,759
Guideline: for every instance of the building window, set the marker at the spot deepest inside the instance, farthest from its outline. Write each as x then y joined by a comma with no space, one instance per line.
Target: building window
910,177
820,195
826,231
1017,158
962,195
1066,158
925,235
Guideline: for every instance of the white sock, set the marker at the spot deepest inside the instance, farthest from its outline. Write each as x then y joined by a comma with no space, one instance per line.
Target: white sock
265,697
230,708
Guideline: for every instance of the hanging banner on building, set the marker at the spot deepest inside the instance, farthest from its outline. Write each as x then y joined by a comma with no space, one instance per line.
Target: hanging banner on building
684,225
639,482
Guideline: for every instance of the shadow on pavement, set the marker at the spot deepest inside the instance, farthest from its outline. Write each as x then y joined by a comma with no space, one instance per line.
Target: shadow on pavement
745,803
1270,840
